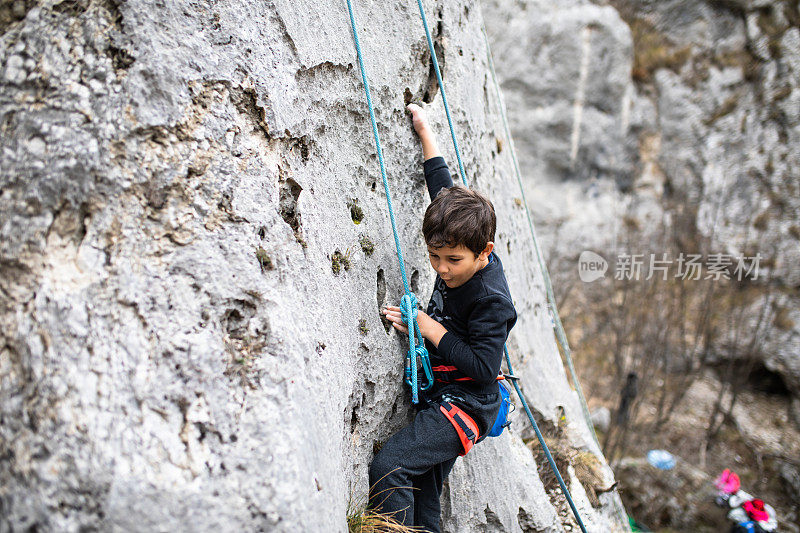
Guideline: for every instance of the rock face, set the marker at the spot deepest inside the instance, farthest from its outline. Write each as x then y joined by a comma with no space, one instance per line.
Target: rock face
194,246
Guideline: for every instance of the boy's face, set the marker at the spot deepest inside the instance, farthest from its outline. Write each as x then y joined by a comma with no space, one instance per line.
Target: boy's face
457,264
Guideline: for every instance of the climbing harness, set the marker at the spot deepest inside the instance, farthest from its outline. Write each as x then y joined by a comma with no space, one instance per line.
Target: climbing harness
417,353
461,421
465,426
451,374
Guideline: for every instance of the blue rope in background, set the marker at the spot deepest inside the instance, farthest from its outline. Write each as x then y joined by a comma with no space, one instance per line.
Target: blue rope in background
561,335
441,90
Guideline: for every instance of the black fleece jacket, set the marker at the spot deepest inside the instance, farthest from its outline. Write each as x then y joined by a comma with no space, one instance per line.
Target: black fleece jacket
478,316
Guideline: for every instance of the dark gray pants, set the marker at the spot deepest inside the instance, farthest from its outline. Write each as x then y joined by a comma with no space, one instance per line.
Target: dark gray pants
406,475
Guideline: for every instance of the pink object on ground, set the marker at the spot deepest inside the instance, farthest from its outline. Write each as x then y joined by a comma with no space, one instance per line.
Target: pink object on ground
755,510
728,482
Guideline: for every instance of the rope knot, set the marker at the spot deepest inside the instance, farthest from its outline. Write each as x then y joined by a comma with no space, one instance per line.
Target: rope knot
409,306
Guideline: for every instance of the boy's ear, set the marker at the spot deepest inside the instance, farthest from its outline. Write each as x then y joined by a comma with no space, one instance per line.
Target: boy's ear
488,249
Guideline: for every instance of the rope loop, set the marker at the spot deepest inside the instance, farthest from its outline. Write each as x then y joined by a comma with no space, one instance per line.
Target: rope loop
417,354
409,305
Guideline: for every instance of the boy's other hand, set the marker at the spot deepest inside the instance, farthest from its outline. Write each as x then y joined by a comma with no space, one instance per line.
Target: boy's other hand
395,316
419,118
430,328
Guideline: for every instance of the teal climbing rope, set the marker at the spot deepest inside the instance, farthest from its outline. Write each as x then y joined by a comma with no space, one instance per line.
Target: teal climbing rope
417,353
514,379
435,62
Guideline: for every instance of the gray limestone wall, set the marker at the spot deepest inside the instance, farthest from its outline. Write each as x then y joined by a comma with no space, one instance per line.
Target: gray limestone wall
194,246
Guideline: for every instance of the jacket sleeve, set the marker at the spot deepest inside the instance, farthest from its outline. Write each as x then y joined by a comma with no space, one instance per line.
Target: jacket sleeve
489,324
437,175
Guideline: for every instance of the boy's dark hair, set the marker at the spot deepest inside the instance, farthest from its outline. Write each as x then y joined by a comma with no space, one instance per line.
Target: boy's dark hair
459,216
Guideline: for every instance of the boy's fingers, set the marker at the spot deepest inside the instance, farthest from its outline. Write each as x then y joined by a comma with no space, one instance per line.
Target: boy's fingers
399,327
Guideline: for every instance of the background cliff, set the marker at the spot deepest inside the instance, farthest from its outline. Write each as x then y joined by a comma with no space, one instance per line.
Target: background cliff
193,251
658,129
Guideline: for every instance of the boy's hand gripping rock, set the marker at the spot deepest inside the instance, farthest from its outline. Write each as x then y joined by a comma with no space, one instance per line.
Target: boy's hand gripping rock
419,118
428,327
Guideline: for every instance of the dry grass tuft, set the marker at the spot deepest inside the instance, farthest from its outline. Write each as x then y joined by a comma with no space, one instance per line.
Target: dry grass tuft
369,521
360,519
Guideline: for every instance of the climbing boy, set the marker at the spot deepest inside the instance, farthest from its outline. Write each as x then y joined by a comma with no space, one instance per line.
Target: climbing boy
467,322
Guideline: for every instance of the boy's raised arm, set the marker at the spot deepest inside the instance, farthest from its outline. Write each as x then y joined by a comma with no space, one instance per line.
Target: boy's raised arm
437,175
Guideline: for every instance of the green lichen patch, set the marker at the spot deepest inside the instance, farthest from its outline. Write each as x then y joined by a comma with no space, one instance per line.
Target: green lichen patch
356,213
362,326
264,260
367,246
242,355
340,261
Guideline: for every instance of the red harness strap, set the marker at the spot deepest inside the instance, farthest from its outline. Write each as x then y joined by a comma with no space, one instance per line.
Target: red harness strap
465,426
450,374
